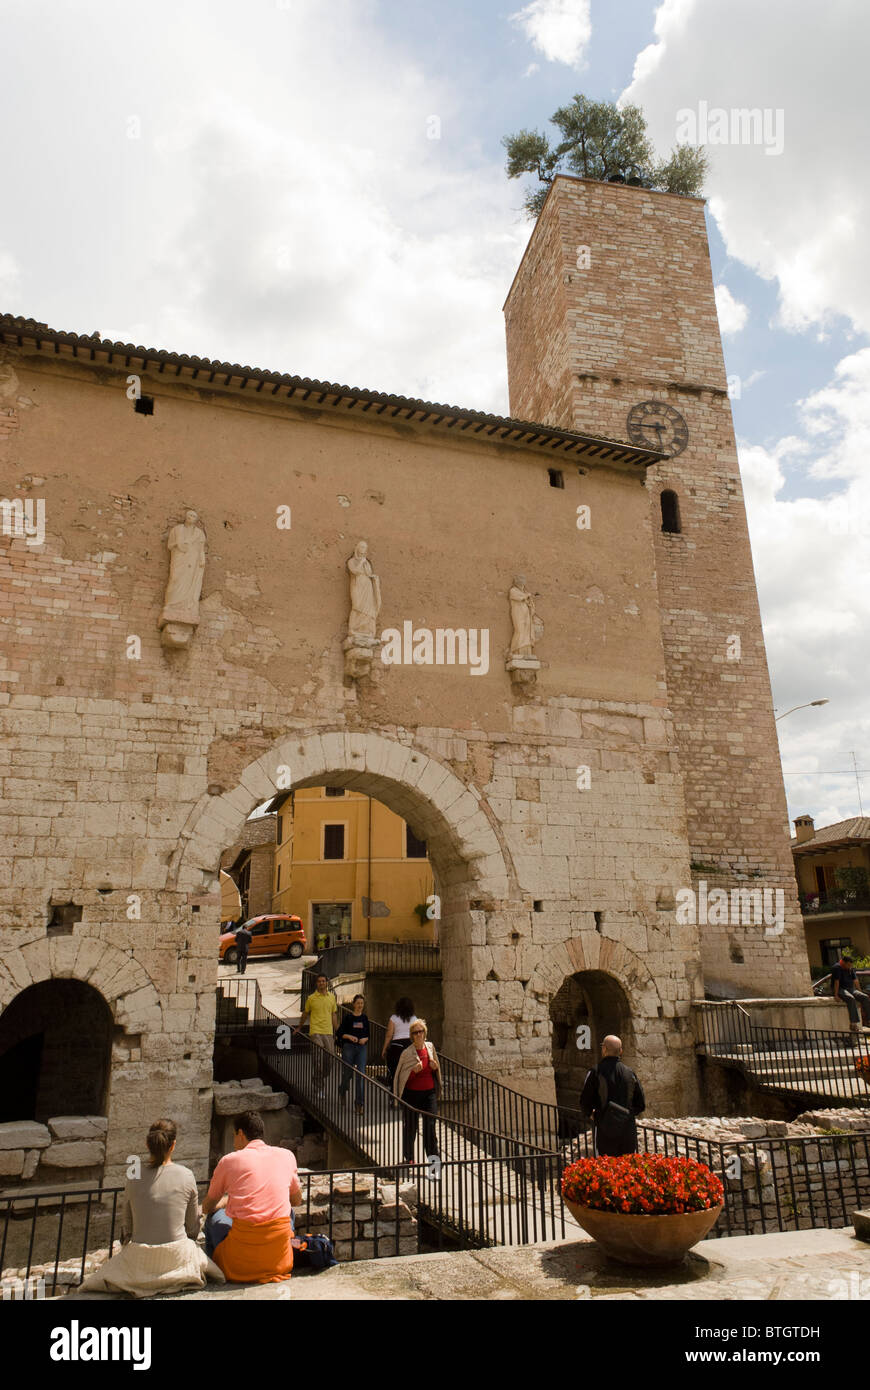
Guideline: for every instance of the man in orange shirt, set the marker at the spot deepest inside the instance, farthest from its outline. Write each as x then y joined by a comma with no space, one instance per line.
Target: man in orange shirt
248,1230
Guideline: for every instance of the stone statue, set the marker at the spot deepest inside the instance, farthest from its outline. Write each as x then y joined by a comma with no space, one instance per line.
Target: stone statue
520,659
362,641
180,616
365,594
527,627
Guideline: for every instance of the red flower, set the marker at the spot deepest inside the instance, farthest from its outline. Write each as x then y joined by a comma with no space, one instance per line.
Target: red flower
642,1184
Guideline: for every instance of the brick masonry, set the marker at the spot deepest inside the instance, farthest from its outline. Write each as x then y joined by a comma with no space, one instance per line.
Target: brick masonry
584,346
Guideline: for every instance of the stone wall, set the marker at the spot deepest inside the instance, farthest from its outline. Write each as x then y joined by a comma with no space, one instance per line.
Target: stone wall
776,1177
364,1216
130,776
69,1148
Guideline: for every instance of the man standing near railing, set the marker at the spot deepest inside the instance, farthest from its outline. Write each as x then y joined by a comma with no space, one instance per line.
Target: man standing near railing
845,986
322,1012
613,1096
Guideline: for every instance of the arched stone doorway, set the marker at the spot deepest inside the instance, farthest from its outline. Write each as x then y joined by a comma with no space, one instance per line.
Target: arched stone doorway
55,1052
473,871
594,1001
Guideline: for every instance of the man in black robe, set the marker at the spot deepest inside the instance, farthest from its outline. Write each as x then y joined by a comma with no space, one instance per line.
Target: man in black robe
243,940
613,1096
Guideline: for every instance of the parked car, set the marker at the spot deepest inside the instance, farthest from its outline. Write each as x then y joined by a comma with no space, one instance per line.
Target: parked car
824,986
273,934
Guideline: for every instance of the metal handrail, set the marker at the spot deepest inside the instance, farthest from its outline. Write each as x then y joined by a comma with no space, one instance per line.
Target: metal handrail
811,1062
771,1184
359,957
486,1105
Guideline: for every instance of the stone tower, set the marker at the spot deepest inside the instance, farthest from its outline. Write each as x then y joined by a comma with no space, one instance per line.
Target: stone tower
612,329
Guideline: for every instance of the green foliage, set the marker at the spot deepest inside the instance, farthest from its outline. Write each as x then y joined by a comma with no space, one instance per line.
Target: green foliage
422,911
851,880
601,140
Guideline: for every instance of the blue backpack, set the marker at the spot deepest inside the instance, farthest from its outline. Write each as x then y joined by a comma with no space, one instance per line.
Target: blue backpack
313,1252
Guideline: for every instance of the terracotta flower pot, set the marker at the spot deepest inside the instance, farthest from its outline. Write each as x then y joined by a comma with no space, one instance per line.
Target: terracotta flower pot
645,1240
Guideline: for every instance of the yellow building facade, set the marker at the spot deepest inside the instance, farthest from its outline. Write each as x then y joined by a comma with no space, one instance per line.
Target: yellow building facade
350,868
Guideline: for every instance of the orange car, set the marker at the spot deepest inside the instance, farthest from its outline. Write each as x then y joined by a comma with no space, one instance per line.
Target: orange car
274,934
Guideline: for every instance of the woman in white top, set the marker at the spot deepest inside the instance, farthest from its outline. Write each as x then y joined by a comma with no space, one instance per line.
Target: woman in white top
398,1035
160,1217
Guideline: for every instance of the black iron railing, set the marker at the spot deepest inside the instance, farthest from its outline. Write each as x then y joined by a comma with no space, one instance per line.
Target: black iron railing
841,900
809,1062
49,1241
778,1184
240,1006
370,957
369,1213
468,1096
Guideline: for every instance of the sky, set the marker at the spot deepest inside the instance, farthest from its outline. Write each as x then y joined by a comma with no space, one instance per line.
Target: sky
320,189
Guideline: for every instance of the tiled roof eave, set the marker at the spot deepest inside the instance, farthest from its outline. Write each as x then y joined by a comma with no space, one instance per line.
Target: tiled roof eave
203,371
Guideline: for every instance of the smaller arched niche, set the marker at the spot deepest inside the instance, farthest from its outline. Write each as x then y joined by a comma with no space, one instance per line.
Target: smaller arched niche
588,1006
670,505
55,1052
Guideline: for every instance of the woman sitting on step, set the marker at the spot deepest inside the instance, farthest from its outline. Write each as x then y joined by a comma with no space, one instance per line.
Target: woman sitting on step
159,1225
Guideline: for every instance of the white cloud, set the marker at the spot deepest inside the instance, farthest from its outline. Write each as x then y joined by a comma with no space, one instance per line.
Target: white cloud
732,313
285,204
559,29
812,561
795,219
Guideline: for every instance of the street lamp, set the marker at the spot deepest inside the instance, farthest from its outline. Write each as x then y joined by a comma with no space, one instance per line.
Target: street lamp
806,706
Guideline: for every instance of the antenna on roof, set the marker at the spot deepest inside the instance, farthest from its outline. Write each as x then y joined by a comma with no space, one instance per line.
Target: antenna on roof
857,784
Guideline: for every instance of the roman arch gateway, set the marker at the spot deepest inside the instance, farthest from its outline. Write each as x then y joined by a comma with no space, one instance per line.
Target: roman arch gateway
219,581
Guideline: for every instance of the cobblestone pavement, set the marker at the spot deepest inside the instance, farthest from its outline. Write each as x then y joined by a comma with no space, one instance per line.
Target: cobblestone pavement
813,1265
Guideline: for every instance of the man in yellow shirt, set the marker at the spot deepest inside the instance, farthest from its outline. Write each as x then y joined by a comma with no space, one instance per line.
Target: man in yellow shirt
322,1011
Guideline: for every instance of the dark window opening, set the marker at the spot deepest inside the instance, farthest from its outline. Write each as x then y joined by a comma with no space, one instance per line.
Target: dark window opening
670,504
334,791
538,904
599,920
833,947
278,880
280,829
333,842
736,955
144,405
414,848
63,918
556,476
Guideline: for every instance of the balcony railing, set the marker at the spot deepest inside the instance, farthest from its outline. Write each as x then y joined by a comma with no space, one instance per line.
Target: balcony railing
845,900
373,957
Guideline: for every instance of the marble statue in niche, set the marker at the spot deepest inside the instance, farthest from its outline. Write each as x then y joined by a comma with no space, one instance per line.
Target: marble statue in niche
527,629
180,617
362,641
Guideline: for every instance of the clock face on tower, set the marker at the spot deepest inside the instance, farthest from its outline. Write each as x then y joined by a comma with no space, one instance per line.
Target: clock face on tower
657,425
